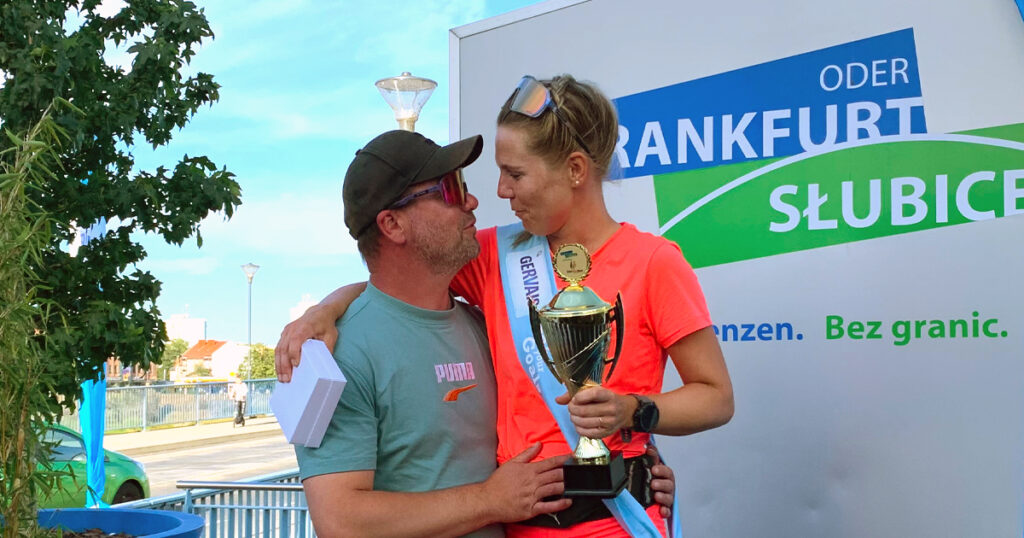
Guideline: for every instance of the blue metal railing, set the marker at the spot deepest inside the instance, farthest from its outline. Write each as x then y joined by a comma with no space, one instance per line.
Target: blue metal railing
187,403
268,506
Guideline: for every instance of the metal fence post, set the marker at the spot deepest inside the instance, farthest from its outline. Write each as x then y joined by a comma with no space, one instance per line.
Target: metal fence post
145,407
197,403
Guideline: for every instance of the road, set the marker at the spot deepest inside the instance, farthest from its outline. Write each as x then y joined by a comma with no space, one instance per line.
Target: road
228,461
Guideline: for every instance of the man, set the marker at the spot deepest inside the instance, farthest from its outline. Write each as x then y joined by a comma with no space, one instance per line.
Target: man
411,447
239,393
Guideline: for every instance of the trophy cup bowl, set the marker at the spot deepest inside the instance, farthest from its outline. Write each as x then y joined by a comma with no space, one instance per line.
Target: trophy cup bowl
573,333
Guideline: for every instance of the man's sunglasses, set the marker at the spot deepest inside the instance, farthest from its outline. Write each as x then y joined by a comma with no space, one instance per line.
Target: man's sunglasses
531,98
452,187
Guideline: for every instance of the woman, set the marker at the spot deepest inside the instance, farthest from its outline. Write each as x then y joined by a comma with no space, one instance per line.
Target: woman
554,146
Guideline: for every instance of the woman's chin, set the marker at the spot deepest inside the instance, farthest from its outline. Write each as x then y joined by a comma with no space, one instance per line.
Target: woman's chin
532,226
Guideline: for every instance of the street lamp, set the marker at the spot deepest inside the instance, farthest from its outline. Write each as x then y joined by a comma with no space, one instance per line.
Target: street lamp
406,94
250,271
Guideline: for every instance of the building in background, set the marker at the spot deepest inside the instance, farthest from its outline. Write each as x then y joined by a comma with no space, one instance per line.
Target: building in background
189,329
221,358
119,373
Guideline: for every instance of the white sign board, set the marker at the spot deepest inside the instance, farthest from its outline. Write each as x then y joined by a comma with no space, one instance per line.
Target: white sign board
848,180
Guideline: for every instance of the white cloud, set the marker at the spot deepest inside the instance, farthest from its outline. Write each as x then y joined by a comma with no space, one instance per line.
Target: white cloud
249,12
73,18
354,112
203,265
300,308
109,8
308,227
412,30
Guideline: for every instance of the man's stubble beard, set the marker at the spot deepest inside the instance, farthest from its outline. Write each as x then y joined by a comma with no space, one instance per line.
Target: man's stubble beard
443,257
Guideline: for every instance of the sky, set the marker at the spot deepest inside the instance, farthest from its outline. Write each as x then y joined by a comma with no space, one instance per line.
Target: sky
297,99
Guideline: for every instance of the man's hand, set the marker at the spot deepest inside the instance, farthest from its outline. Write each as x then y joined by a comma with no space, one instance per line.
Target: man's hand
598,412
663,483
518,488
315,323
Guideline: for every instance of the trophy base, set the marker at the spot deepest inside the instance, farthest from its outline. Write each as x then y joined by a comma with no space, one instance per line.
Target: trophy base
589,480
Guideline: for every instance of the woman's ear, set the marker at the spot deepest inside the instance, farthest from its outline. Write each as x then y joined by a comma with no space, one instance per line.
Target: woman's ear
578,167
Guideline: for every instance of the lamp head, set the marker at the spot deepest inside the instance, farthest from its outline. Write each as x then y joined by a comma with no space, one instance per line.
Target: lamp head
250,270
406,94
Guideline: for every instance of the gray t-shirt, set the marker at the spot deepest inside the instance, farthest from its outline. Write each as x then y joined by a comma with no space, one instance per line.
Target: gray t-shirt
419,408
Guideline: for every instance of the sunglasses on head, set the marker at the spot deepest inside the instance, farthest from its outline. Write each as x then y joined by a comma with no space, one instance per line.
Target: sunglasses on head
531,98
452,187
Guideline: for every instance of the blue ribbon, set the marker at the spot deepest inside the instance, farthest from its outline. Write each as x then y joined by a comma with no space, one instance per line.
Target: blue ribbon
92,411
91,417
1020,6
526,271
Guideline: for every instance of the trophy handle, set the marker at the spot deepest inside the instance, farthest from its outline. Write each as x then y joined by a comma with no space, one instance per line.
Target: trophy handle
539,340
620,325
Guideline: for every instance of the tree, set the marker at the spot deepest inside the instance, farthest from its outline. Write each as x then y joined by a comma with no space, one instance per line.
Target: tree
260,365
82,311
172,351
107,307
200,370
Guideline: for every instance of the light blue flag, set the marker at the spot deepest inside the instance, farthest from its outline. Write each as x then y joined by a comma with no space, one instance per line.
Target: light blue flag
91,416
92,412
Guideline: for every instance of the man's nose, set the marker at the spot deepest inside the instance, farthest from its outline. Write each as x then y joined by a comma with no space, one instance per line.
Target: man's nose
471,202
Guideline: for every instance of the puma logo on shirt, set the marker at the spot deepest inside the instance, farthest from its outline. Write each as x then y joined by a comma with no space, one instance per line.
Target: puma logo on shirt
454,371
453,394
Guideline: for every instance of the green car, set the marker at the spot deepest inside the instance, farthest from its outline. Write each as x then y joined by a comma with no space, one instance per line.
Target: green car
126,478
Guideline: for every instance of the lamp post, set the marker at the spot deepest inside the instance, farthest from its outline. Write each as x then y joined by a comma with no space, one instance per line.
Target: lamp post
250,271
406,94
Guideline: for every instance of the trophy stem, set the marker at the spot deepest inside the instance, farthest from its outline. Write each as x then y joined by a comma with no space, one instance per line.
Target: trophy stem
574,389
592,452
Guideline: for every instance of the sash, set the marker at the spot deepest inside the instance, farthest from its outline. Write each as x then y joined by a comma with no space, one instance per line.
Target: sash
526,272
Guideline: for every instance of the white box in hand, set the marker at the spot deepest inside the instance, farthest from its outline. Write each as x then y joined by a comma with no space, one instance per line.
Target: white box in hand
304,406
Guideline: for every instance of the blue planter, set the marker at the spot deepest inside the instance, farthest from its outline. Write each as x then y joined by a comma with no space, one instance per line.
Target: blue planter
142,523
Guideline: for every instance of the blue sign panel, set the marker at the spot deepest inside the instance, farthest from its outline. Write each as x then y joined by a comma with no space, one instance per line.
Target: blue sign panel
856,90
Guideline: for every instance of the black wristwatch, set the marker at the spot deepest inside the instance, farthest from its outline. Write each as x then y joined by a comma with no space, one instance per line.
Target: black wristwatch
645,418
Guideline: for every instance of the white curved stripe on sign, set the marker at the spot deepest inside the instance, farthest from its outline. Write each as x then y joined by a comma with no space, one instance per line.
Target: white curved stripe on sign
968,139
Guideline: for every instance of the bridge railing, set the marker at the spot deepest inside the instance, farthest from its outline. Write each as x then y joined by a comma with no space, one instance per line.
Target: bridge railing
268,506
144,407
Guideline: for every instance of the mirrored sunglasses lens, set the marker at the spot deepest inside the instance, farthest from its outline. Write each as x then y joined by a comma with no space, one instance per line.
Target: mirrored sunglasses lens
453,189
531,99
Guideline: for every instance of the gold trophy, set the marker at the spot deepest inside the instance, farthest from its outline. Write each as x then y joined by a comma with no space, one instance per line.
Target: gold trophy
572,334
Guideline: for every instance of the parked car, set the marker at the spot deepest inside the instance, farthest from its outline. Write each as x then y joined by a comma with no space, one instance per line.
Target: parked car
126,478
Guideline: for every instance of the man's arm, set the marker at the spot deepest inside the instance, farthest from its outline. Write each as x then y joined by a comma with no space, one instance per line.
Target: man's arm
317,322
345,504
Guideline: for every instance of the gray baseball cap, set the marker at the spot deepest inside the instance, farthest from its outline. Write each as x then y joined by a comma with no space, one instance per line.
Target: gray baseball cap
390,164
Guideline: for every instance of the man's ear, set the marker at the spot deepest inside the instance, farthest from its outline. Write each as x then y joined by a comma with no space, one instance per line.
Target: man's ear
392,227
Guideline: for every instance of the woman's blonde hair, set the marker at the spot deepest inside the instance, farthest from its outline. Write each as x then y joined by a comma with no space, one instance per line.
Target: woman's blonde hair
587,111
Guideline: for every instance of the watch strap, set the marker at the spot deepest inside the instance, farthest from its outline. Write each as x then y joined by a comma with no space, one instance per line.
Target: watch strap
643,408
